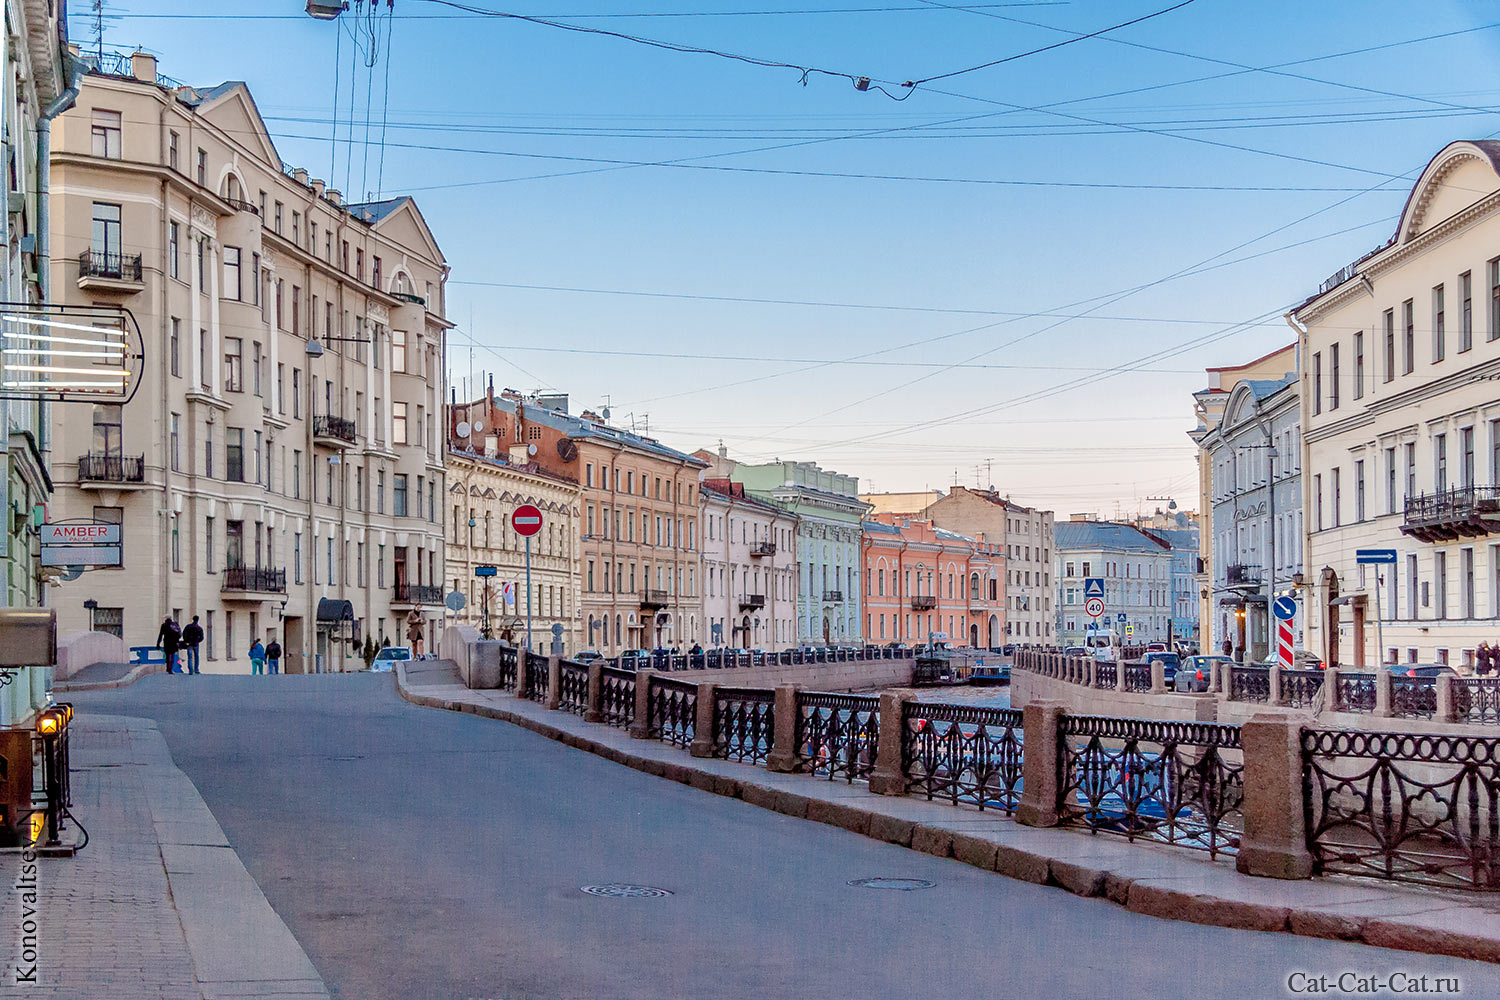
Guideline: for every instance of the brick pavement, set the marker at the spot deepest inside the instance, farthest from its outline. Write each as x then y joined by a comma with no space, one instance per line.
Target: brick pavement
157,906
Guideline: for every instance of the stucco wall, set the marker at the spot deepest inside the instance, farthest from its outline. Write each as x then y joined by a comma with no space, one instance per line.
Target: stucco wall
83,649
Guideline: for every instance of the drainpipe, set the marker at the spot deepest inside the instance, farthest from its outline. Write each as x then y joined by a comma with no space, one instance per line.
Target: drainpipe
73,76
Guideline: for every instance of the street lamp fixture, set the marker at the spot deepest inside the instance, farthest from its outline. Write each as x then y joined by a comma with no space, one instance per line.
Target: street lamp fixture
49,723
325,11
315,347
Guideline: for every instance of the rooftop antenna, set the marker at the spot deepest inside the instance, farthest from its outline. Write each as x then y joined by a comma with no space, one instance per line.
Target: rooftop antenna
103,14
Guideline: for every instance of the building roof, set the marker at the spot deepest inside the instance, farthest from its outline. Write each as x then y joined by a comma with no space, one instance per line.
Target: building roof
1106,535
578,427
735,492
1266,387
373,211
881,528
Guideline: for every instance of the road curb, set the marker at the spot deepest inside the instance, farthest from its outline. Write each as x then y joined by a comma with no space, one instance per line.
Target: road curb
141,670
1143,895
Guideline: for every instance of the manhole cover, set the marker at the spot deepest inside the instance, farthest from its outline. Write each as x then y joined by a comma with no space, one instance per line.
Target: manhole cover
902,884
623,890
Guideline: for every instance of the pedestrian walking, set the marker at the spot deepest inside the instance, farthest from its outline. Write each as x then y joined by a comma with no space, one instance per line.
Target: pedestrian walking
192,635
1484,659
257,658
273,657
168,639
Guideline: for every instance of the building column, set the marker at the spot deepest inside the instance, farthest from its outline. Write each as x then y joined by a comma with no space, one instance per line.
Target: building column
383,335
214,353
195,311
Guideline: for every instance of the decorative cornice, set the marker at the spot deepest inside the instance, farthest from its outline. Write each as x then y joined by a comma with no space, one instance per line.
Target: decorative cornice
204,221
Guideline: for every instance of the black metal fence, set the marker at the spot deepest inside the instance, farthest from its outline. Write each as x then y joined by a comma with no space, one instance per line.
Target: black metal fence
508,667
1164,781
837,735
1354,693
1249,683
1477,700
1413,697
963,753
672,710
1299,688
536,677
617,696
1137,677
718,659
572,687
1404,806
1105,675
744,723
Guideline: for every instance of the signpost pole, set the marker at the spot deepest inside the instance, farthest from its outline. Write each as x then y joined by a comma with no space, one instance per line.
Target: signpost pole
528,593
1379,626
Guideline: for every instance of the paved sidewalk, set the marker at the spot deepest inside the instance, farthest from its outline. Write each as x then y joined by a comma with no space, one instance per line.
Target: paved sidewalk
1161,881
100,676
157,905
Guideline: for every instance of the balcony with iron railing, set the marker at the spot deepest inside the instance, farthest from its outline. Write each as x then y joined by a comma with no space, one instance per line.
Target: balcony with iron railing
1462,512
333,430
1242,575
923,602
763,549
833,596
752,602
417,594
253,580
415,300
114,470
652,600
241,205
110,271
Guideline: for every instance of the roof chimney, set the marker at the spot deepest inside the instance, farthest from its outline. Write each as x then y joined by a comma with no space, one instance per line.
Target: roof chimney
300,175
143,66
332,194
318,186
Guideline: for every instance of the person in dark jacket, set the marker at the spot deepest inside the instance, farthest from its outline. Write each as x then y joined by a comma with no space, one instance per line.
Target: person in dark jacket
273,657
168,639
1484,659
192,635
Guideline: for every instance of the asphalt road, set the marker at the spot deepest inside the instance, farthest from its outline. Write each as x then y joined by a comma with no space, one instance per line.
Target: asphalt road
421,853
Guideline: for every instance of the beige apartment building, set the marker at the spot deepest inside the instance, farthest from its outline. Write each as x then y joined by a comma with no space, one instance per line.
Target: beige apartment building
1400,383
749,569
279,470
484,490
640,561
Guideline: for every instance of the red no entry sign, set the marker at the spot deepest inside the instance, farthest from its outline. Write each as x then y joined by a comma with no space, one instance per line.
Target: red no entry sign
527,520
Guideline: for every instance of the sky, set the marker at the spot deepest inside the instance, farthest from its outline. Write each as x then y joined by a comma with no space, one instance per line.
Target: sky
1013,276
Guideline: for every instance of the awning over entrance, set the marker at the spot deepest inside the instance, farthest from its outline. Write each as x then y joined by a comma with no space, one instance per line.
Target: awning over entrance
331,610
1240,600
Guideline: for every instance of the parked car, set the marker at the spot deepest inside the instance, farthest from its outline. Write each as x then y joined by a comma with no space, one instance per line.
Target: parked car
1009,649
897,646
1169,662
1196,672
1423,670
388,655
587,656
631,658
1156,647
1073,651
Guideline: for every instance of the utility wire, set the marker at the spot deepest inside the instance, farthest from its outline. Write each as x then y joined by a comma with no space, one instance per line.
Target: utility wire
333,152
385,100
1046,48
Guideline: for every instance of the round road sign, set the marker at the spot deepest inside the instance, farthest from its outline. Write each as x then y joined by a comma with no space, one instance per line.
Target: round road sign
1285,608
527,520
1093,607
455,601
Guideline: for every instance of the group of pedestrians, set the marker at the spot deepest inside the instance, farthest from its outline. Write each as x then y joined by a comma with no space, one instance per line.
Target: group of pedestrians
173,640
1486,659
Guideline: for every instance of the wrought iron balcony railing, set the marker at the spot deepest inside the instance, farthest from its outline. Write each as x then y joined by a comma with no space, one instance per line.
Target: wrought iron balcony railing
924,602
241,205
337,428
763,549
1242,575
102,264
112,468
653,599
752,602
833,596
416,300
418,593
1462,512
254,579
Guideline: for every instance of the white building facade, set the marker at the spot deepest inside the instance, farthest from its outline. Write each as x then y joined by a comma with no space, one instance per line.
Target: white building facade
749,569
1135,567
1401,405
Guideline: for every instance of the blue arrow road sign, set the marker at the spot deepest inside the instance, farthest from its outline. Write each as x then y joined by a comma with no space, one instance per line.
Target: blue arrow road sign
1285,608
1093,586
1375,557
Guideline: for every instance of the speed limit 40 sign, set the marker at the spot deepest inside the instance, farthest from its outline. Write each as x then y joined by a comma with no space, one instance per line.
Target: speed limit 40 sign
1094,607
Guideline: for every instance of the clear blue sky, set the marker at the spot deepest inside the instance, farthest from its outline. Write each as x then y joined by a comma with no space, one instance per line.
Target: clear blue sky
958,260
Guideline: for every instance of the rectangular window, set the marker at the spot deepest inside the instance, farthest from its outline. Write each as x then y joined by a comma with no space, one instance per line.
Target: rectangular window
105,133
398,423
208,450
174,348
1317,383
233,362
1389,320
1494,333
175,442
255,363
174,251
1411,470
234,454
1317,503
1359,364
202,167
106,234
1439,325
398,494
232,287
297,556
1440,462
398,350
172,143
1466,569
1359,491
1408,337
1466,457
296,393
1390,481
278,216
296,474
1333,377
1465,312
208,544
1440,583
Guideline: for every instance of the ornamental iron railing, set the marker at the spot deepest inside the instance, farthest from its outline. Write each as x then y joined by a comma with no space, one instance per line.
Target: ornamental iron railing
1476,700
1461,512
744,723
254,579
508,668
1137,677
1299,688
1406,807
837,735
417,593
1413,697
536,677
963,753
617,696
1249,683
112,468
109,264
1171,782
1105,674
572,687
328,426
1354,693
672,708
